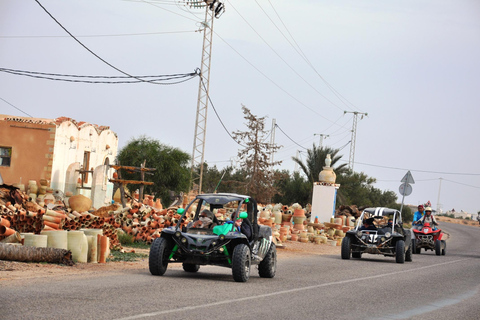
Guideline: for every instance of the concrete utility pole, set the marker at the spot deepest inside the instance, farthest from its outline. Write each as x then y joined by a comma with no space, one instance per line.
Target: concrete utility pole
439,206
213,8
321,138
351,159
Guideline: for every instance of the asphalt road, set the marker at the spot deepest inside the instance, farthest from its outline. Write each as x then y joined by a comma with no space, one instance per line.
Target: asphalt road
314,287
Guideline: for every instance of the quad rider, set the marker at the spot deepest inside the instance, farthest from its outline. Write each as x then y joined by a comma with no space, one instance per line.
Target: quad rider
428,218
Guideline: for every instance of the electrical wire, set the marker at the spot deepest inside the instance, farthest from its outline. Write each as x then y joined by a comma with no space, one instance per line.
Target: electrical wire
102,35
415,170
86,48
304,56
16,107
269,79
463,184
219,119
284,61
276,125
64,77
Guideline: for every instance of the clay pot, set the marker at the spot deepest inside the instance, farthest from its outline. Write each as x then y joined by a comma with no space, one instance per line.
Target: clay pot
6,231
80,203
299,213
4,222
32,186
286,217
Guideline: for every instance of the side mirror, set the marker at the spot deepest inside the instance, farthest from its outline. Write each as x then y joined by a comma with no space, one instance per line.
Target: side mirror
243,215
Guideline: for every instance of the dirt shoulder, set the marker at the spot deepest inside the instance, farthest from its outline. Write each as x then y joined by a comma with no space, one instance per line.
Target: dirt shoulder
17,272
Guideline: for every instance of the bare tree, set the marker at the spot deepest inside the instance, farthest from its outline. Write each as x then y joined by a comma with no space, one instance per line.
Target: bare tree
255,157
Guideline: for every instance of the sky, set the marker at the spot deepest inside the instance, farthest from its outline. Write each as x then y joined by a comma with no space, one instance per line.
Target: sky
412,66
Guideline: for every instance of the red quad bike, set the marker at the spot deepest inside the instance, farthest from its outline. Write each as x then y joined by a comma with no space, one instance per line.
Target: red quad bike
429,239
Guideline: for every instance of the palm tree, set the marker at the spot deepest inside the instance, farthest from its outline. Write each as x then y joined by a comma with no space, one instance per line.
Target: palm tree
316,161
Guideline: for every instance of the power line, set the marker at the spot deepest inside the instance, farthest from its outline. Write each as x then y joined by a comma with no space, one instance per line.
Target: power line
16,107
271,80
424,171
219,119
100,35
65,77
84,46
276,125
284,61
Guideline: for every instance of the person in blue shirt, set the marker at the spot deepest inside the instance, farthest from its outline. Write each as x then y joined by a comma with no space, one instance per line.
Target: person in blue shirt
418,215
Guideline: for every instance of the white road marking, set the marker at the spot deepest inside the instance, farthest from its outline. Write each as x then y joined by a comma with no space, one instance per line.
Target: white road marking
266,295
432,306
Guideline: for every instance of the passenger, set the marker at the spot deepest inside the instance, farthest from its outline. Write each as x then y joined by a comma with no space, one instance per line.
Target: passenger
205,220
418,215
429,218
368,224
243,228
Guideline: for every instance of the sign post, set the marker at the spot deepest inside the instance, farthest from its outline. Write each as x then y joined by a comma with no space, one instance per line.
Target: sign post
405,188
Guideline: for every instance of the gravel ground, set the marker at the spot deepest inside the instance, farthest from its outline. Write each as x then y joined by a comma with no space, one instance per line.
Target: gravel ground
22,271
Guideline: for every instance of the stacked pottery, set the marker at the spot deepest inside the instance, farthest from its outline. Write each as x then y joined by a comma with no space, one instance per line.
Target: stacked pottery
157,206
78,244
56,238
277,214
32,189
299,218
35,240
303,236
49,198
93,248
284,233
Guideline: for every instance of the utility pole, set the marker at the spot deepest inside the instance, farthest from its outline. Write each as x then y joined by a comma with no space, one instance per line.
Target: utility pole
272,140
351,159
321,138
213,8
438,200
296,163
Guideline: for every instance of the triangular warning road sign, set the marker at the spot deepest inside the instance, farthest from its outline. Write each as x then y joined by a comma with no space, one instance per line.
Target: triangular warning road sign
408,178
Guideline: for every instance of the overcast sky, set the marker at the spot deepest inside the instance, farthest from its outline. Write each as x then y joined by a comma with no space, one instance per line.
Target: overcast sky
413,66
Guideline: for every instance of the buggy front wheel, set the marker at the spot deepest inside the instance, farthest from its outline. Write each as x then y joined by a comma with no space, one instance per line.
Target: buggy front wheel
400,251
158,258
241,262
346,248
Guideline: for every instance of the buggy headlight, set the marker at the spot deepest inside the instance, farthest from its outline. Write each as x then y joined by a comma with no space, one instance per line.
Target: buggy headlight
359,234
214,243
221,237
388,234
178,234
382,239
184,240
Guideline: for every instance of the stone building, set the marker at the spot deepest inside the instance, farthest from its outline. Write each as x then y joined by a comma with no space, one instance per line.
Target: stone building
73,156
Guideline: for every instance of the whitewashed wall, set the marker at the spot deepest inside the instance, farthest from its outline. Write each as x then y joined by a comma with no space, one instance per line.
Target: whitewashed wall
71,141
